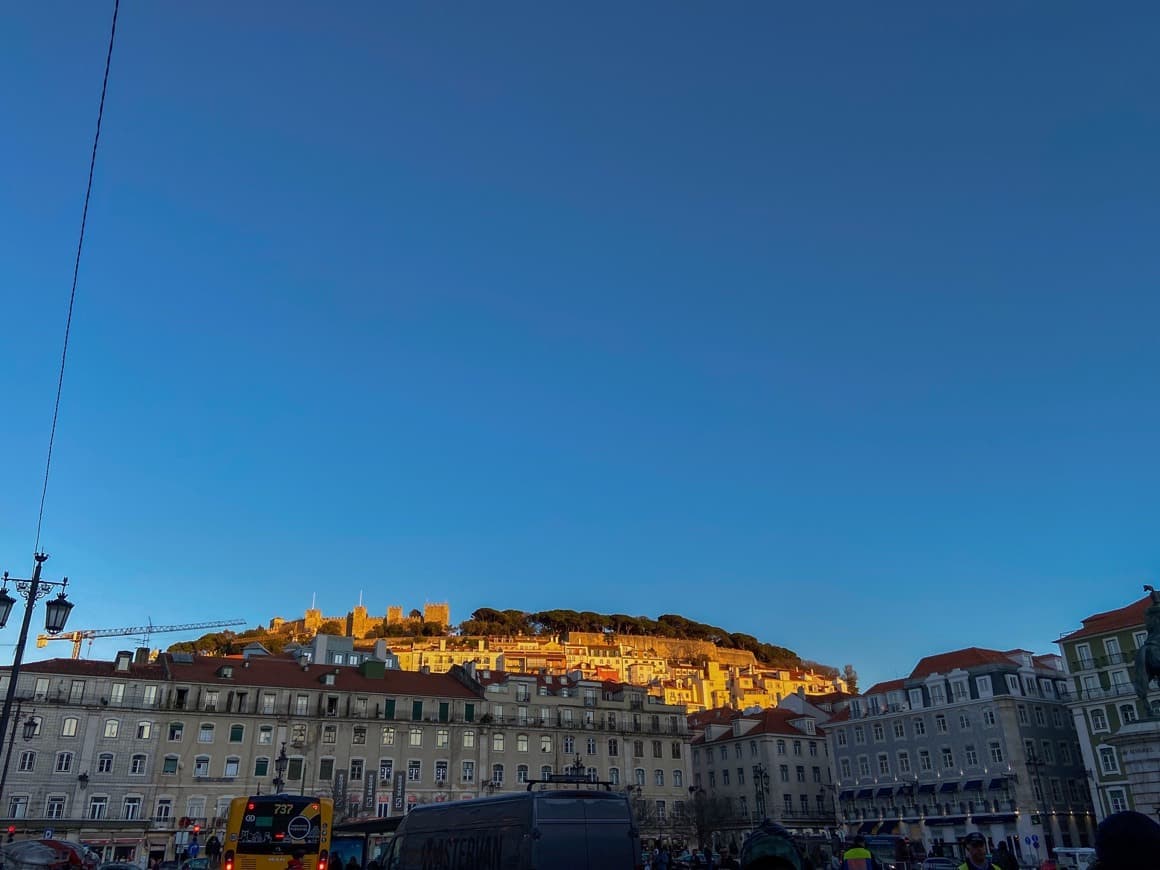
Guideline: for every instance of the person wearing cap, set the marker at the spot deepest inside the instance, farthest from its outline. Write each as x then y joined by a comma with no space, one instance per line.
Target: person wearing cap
859,857
976,846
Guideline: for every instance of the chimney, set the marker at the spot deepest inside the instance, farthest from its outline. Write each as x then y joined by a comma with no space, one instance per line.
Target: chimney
141,656
122,660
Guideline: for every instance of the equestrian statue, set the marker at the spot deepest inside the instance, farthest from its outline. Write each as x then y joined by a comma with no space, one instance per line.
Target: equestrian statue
1148,656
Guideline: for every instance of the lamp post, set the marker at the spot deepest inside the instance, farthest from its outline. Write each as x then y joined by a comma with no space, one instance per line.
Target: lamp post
30,728
280,770
56,613
761,789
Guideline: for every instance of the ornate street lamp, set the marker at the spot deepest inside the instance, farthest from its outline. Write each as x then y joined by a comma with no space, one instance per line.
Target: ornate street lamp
761,789
280,764
56,614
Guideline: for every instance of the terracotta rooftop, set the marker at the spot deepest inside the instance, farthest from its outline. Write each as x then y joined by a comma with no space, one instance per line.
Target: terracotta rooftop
267,671
971,657
1130,616
884,687
774,720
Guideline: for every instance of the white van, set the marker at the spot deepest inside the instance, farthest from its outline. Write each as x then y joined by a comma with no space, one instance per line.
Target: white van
582,829
1074,859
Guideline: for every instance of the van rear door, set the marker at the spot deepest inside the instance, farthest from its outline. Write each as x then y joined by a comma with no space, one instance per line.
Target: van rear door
588,830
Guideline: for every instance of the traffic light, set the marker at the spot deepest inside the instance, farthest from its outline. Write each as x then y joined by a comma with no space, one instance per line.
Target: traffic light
196,830
11,833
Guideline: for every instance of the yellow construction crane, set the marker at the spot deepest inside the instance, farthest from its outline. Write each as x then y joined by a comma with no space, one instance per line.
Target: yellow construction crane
144,631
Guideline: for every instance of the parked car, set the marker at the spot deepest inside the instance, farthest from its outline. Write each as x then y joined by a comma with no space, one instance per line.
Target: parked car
194,864
169,865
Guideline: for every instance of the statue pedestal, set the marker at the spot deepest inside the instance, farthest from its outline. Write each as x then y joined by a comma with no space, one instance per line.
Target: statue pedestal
1138,745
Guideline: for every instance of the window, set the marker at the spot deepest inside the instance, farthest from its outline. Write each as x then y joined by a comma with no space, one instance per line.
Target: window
64,762
416,737
497,740
27,762
638,776
1117,801
105,762
414,770
724,776
915,696
1099,720
330,734
972,757
1048,752
546,743
210,703
98,806
440,772
68,728
983,685
54,808
205,733
1064,752
959,690
201,765
164,809
388,738
937,693
469,740
859,739
468,774
76,692
919,727
879,732
883,763
386,769
841,741
18,807
783,772
904,761
899,729
301,705
1108,761
1127,713
964,722
267,708
679,777
176,731
863,766
995,749
988,717
1013,684
1022,710
416,711
237,733
948,758
940,724
443,738
232,765
522,773
924,760
844,765
813,748
357,766
1040,717
112,726
658,750
169,765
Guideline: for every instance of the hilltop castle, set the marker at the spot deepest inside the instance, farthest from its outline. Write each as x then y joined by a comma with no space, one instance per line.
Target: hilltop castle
358,622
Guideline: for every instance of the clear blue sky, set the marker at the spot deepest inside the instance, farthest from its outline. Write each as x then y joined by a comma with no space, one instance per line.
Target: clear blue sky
838,326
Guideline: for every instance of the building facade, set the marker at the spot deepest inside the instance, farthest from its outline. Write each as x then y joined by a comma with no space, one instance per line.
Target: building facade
130,755
1100,658
763,764
972,740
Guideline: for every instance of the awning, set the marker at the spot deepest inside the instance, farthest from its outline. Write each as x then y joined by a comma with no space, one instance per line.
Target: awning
866,827
948,786
973,785
997,784
846,795
888,827
865,793
926,788
993,818
886,792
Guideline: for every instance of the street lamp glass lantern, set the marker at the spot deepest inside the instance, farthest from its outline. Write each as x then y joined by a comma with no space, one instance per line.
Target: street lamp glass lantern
6,602
56,614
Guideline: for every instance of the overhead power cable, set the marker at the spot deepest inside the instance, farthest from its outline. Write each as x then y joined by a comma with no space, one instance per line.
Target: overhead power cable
76,272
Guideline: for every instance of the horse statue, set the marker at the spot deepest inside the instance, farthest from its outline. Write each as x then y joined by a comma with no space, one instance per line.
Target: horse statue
1148,657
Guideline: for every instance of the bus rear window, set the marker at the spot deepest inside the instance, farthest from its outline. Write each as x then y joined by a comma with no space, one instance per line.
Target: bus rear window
280,827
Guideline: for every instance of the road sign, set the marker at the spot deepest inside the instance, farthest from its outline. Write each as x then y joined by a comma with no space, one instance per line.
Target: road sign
1027,840
1035,840
48,833
298,828
194,849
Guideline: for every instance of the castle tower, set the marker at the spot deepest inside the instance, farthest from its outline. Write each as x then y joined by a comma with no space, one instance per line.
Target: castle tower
394,614
439,613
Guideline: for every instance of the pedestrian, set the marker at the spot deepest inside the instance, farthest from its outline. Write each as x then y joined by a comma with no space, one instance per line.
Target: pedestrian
976,845
1127,840
1003,859
858,857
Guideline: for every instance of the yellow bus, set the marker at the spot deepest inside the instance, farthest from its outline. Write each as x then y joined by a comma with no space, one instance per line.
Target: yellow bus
264,832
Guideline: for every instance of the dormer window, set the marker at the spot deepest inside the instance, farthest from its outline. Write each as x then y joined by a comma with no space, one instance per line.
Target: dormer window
226,671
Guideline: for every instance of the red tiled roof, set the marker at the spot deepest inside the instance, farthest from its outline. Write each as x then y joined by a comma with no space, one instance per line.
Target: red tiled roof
269,671
1130,616
774,720
883,688
971,657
